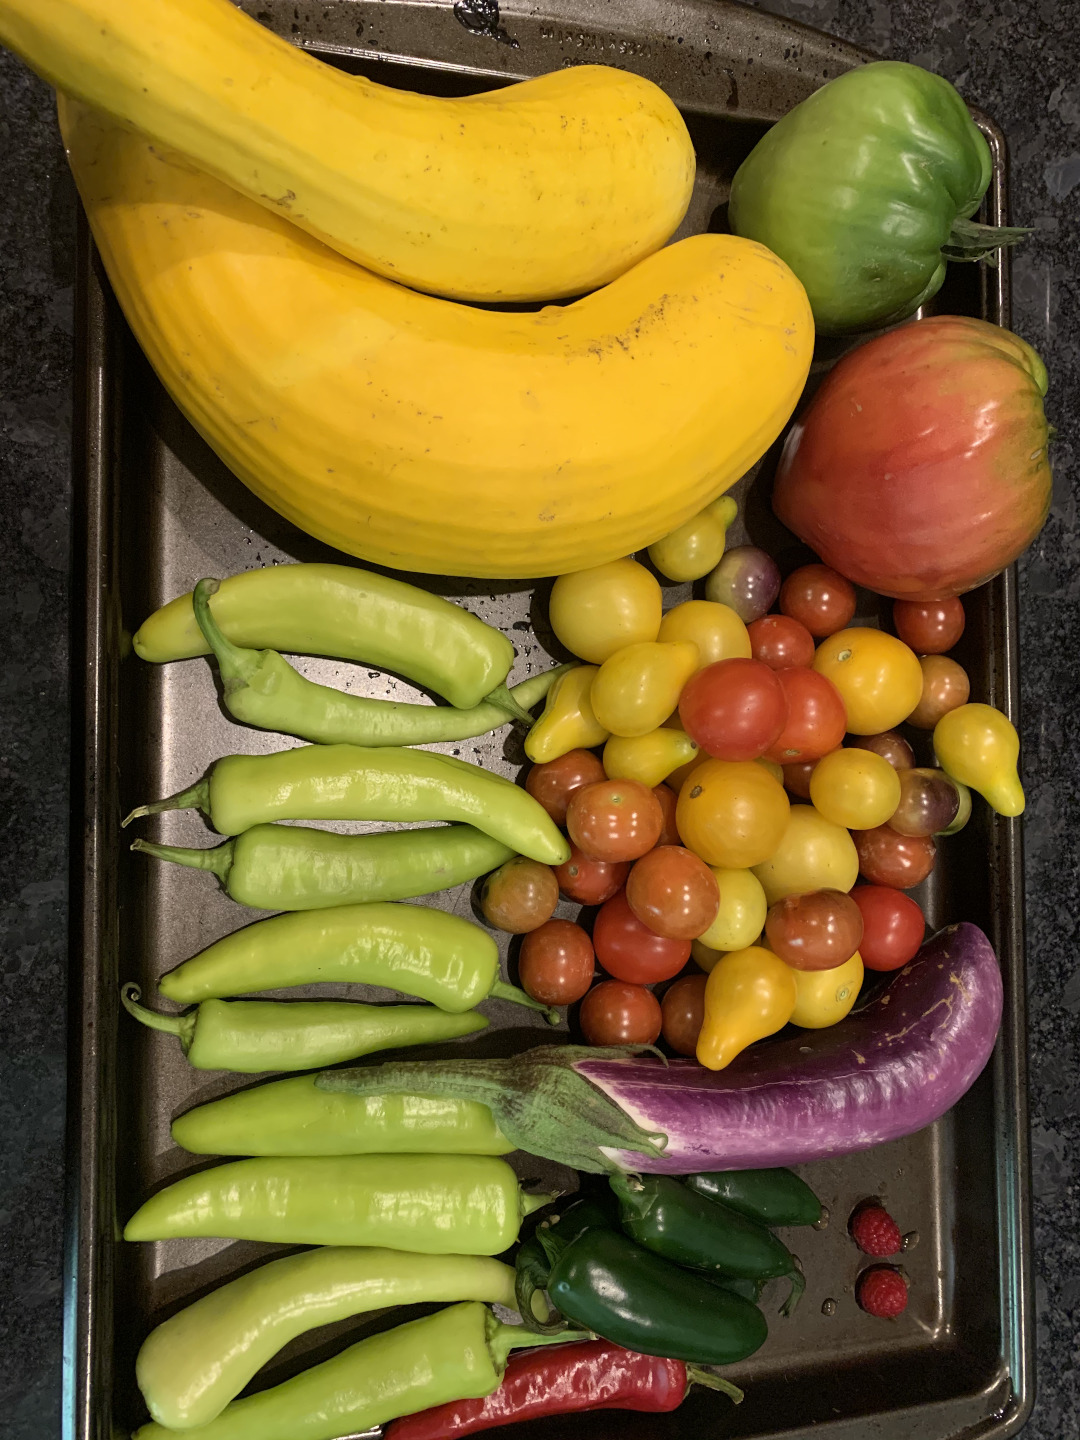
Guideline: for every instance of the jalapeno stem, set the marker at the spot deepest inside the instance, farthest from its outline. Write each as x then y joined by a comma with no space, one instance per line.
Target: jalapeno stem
195,798
502,991
218,859
182,1026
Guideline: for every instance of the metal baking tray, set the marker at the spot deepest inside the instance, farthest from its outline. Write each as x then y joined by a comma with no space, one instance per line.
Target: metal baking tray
157,511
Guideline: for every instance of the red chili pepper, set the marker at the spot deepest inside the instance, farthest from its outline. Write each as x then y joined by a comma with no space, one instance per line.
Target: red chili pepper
591,1375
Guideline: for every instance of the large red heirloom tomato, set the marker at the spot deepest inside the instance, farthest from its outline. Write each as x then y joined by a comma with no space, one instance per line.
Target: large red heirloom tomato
919,469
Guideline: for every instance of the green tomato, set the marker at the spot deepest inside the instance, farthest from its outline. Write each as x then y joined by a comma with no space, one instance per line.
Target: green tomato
865,190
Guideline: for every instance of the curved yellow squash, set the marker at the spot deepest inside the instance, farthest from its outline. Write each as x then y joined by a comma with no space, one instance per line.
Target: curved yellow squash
546,188
432,436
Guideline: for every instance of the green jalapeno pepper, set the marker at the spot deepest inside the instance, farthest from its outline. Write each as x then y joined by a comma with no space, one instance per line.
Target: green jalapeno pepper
291,867
775,1197
261,688
660,1213
191,1366
605,1283
456,1354
294,1117
250,1037
532,1264
435,956
347,782
348,614
430,1204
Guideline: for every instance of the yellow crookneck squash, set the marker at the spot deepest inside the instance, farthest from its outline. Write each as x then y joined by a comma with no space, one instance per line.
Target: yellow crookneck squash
546,188
427,435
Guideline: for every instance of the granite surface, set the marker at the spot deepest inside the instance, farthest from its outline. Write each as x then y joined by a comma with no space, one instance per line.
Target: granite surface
1019,60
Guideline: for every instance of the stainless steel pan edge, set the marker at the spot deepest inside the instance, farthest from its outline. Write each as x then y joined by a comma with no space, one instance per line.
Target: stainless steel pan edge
98,651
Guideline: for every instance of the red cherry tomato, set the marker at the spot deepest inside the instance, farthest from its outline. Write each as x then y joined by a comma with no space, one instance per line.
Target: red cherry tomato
733,709
553,783
817,718
888,858
590,882
669,835
673,892
930,627
818,931
614,819
818,598
615,1013
780,642
893,926
683,1012
631,951
556,963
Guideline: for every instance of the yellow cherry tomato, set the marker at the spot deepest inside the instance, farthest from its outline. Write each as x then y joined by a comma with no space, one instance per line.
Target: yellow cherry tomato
749,994
697,546
855,788
648,758
978,746
879,678
775,770
703,956
636,689
567,722
596,612
715,629
731,813
814,854
741,917
825,996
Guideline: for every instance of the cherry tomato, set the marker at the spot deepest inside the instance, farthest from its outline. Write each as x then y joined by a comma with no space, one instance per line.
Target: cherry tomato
817,931
747,579
893,926
929,803
819,598
597,611
673,892
740,918
823,997
682,1013
590,882
638,687
732,814
715,629
780,642
814,854
520,895
615,1013
669,799
817,720
631,951
797,777
889,745
734,709
879,678
614,819
929,626
855,788
553,784
945,687
888,858
556,963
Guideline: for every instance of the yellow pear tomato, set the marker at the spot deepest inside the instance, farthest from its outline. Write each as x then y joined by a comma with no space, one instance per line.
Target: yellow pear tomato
855,788
978,746
649,758
813,854
567,721
715,629
636,689
697,546
598,611
741,917
732,813
749,994
825,996
879,678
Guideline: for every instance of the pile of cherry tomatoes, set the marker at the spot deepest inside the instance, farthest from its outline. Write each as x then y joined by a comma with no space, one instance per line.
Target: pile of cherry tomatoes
751,772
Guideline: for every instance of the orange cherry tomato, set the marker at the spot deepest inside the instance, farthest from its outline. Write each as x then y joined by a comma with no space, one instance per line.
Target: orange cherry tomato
888,858
817,931
945,687
819,599
590,882
673,892
780,642
553,783
732,813
616,1013
877,675
556,963
614,819
930,627
669,799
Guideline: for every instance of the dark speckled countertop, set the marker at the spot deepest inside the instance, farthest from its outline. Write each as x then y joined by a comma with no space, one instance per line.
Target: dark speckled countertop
1020,61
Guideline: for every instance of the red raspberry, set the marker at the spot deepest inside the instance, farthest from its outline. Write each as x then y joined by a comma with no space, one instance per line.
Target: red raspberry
882,1291
875,1231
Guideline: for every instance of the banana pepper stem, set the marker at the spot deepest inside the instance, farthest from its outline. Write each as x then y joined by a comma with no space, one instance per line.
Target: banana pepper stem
502,991
196,797
504,700
182,1026
219,859
236,663
501,1339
